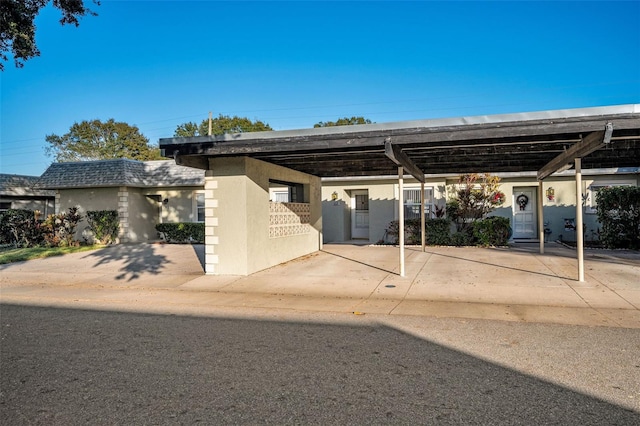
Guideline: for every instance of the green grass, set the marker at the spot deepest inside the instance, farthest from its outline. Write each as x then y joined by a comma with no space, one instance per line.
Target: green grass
18,255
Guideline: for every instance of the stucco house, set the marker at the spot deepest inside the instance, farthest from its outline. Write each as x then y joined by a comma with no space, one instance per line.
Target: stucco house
268,197
143,193
355,166
19,192
353,208
362,208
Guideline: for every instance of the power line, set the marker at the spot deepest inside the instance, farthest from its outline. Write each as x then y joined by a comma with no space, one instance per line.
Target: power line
320,117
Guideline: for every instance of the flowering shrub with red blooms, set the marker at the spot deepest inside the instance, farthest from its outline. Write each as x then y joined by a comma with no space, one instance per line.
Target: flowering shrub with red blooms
474,197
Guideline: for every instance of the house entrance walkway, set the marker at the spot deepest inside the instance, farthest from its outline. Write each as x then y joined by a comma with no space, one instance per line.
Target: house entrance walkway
511,284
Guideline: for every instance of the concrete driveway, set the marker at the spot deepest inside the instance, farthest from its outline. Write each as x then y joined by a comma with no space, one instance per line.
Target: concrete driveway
513,284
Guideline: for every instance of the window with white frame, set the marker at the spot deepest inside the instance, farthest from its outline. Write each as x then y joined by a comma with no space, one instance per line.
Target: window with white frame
279,194
590,203
199,206
412,202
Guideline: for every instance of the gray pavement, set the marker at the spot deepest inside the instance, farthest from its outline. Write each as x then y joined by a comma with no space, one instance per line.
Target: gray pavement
508,284
78,367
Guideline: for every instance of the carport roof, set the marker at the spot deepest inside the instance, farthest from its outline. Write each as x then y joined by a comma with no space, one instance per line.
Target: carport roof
496,143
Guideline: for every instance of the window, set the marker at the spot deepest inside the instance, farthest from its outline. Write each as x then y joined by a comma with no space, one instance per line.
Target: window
412,203
286,192
279,194
199,196
590,203
5,206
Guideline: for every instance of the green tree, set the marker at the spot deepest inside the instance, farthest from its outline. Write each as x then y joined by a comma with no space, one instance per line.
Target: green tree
18,29
95,140
221,125
346,121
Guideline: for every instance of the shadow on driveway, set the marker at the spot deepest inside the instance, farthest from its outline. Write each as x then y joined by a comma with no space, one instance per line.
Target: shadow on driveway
135,259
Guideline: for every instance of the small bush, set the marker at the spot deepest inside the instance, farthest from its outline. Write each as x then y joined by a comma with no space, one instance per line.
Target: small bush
183,232
492,231
104,225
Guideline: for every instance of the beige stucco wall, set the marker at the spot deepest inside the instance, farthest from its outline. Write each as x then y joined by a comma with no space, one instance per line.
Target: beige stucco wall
240,244
139,209
46,207
383,205
337,214
180,205
144,213
564,202
86,199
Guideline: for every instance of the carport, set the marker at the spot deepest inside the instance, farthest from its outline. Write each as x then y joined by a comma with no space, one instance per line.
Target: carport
546,142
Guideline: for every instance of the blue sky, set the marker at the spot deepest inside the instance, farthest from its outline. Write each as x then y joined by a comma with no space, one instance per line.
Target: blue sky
157,64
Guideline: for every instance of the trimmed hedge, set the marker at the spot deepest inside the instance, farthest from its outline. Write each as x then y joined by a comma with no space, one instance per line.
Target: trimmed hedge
492,231
437,231
182,232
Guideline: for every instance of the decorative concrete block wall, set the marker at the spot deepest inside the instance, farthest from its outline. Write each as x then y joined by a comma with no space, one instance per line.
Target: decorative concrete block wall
287,219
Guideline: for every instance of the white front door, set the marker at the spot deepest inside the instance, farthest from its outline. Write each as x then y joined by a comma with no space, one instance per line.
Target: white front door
524,212
360,214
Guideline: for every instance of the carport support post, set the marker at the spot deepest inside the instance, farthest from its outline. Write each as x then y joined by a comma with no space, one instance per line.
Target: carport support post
422,221
579,230
540,215
401,218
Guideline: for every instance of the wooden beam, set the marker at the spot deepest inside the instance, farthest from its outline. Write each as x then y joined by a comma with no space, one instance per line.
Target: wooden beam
592,142
197,162
396,155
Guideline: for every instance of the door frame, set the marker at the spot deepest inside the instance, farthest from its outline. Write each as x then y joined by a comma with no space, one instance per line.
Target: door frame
531,208
362,232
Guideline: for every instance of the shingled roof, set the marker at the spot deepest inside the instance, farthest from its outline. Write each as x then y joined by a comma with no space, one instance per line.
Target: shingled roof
21,186
119,172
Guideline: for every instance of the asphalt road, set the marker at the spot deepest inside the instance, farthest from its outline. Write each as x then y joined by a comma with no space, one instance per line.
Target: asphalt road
67,367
